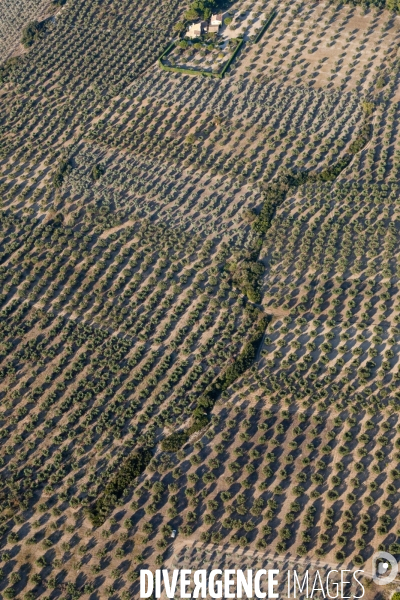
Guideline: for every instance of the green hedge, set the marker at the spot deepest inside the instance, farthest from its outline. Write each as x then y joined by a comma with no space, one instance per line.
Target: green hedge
265,26
240,44
167,51
190,72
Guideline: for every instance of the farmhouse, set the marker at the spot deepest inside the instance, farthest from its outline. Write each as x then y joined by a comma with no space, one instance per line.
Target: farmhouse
216,20
197,29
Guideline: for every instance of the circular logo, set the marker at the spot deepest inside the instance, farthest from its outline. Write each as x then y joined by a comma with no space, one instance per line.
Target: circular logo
384,568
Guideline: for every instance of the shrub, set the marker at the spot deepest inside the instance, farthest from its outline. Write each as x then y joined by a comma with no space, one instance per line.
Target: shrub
32,33
97,171
63,168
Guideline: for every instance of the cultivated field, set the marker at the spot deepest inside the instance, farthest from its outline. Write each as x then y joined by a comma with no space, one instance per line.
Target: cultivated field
199,297
15,14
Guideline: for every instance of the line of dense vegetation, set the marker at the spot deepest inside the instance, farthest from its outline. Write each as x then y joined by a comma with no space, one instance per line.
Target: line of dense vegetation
265,26
136,464
208,400
131,468
362,139
277,191
275,194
